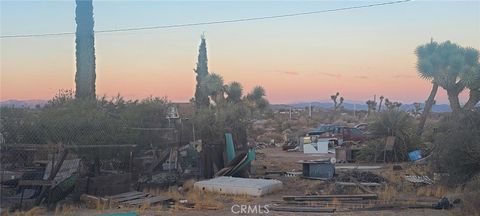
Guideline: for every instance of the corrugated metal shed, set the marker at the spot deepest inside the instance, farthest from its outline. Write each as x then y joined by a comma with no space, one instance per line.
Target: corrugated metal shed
318,169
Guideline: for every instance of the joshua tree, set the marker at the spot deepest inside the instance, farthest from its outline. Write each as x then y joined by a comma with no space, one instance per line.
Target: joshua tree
451,67
257,93
85,50
256,98
201,94
234,92
392,105
380,104
417,109
214,88
336,104
372,105
471,78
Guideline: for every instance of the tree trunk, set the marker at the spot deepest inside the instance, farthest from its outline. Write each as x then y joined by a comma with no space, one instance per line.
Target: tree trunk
473,99
381,100
454,101
428,107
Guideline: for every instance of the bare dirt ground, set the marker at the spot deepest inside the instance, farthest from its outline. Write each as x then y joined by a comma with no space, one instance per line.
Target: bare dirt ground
274,159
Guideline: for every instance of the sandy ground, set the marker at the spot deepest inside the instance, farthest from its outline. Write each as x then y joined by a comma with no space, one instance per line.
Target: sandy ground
274,159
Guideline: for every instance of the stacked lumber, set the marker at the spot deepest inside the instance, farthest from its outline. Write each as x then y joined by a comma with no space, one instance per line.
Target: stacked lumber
343,202
301,209
128,199
330,197
326,202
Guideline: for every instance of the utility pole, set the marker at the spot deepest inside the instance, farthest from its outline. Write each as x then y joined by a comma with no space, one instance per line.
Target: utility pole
310,110
181,132
354,110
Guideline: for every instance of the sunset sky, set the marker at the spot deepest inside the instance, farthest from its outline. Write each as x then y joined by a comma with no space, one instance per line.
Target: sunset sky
360,53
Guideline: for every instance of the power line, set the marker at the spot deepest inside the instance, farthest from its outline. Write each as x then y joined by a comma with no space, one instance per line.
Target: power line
210,22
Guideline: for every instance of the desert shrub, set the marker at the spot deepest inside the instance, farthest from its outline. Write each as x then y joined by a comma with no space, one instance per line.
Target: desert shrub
69,121
393,123
213,122
101,121
373,151
18,125
457,147
470,197
397,123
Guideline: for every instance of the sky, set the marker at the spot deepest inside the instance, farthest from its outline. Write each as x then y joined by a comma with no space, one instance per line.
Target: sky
359,53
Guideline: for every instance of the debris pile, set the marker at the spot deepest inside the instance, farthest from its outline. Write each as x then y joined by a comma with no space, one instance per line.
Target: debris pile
360,176
419,179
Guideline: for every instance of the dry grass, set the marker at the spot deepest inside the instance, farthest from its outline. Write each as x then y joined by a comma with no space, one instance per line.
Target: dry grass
188,185
335,201
432,190
199,199
244,199
32,212
388,193
470,197
5,212
65,210
205,201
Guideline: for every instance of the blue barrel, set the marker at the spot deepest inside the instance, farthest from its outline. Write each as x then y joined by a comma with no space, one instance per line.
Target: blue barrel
415,155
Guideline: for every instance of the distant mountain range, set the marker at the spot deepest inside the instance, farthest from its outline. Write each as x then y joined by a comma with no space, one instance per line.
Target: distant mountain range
22,103
354,105
351,105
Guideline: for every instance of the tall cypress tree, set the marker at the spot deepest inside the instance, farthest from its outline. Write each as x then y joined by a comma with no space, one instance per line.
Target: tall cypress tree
201,97
85,50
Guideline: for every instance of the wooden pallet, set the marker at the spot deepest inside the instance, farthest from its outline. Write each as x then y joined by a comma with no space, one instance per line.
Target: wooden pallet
136,198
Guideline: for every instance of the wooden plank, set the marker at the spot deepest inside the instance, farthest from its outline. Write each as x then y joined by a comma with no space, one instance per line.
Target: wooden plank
368,184
103,146
365,189
275,172
128,198
150,200
358,204
35,183
301,209
326,199
29,146
55,146
315,197
331,202
393,206
122,195
93,201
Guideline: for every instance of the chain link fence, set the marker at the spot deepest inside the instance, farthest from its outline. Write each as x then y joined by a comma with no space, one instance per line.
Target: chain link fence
49,153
